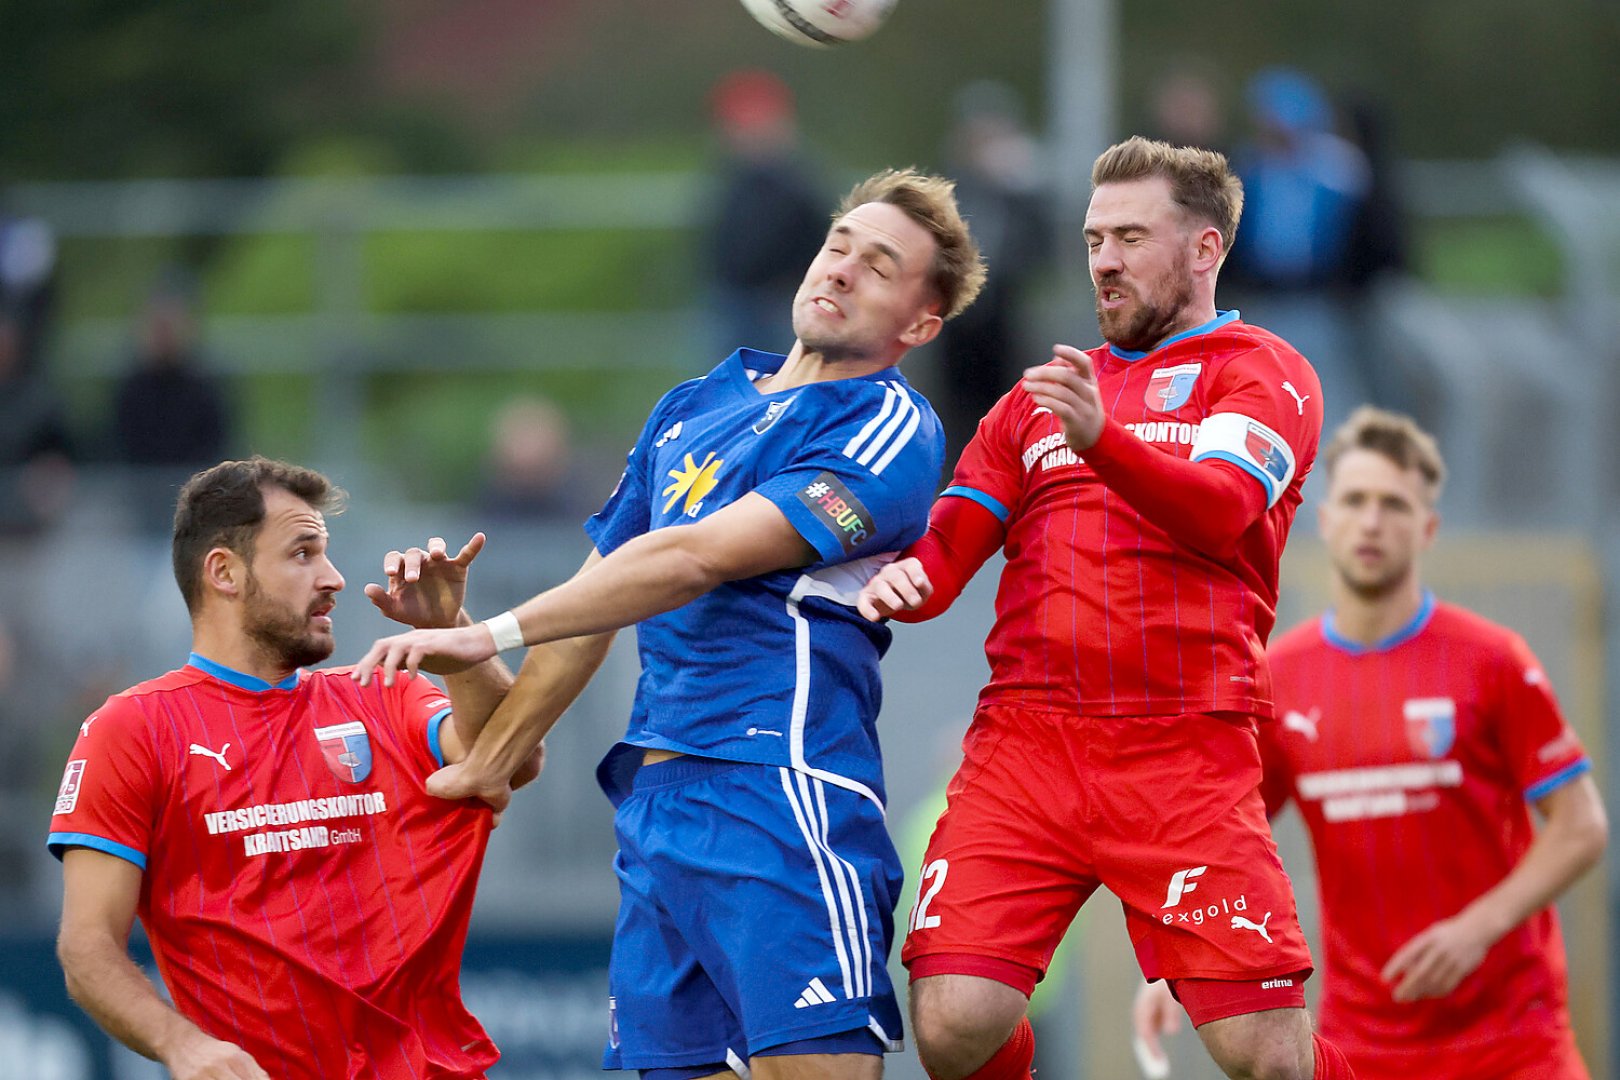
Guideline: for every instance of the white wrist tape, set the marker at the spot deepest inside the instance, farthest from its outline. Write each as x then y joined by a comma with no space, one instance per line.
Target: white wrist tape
506,631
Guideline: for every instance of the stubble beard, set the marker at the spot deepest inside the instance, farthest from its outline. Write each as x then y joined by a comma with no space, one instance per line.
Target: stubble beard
281,632
1140,328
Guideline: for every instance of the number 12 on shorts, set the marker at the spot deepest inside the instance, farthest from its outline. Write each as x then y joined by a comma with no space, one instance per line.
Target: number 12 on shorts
928,886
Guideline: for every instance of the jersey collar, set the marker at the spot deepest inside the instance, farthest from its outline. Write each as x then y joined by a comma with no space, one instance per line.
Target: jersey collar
1221,319
240,678
747,365
1414,626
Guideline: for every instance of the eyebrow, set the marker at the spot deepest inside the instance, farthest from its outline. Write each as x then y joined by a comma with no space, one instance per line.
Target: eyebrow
1093,230
883,248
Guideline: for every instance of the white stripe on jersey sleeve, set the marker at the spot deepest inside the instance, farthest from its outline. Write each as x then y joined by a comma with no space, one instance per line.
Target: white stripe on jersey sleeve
900,441
906,408
890,396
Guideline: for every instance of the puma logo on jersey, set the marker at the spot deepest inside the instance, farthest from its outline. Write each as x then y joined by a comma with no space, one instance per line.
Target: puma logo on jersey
1240,923
217,755
84,728
1180,885
1298,400
1303,723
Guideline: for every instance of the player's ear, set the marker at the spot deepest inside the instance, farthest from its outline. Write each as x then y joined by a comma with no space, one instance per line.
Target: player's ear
924,330
224,572
1208,249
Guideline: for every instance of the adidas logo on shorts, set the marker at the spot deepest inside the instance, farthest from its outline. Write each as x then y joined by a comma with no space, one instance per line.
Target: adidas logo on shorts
814,994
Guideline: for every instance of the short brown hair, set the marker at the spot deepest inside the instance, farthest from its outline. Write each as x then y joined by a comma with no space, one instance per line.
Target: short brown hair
1201,181
224,507
958,272
1396,437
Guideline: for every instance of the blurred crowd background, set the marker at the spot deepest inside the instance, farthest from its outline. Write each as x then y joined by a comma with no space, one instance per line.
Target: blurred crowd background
451,253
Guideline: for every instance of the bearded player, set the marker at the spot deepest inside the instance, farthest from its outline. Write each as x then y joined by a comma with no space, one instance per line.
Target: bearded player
1142,492
1415,735
305,898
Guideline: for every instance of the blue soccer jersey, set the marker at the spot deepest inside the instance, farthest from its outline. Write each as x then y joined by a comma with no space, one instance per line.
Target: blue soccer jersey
778,669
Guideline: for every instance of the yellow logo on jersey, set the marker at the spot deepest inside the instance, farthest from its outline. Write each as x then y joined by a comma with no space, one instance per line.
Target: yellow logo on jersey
694,481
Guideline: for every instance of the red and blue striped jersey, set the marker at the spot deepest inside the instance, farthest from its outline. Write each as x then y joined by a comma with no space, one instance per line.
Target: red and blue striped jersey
1100,612
1412,762
304,896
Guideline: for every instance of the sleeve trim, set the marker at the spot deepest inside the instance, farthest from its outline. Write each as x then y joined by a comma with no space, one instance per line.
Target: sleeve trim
975,495
58,842
1542,788
435,745
1266,481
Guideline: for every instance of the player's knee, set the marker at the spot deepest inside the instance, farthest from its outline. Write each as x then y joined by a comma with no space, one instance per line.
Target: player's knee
1265,1060
958,1025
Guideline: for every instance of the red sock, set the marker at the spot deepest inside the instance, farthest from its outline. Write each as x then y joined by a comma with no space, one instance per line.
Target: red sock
1012,1061
1330,1063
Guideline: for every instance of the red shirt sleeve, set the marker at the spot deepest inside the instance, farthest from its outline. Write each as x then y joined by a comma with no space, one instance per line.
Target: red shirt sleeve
1206,506
109,798
1265,418
1541,748
968,522
419,708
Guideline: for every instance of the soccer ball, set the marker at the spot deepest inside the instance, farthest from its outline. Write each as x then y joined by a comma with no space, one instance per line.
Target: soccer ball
820,23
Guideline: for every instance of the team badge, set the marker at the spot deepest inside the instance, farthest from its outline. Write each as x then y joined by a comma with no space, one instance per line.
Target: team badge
1262,447
347,750
67,796
1431,725
1169,388
772,411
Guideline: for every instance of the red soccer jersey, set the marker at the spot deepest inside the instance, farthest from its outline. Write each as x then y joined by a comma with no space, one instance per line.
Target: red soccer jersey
1412,762
1101,612
304,896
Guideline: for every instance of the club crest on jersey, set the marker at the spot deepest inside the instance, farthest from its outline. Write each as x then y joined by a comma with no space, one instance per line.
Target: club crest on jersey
1170,388
1431,725
347,750
1263,448
772,411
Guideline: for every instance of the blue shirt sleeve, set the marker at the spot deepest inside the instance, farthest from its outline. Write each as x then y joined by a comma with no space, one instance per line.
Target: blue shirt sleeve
628,511
863,484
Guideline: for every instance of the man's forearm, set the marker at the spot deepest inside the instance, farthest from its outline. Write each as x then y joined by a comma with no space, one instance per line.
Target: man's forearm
118,996
552,676
476,693
1569,844
648,576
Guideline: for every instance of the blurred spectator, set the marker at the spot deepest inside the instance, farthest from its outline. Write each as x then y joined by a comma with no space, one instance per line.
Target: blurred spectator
529,474
1378,239
768,217
1186,108
999,186
170,411
36,452
1304,190
1303,186
28,283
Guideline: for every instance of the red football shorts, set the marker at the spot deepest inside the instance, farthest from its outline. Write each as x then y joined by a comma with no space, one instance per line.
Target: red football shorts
1163,810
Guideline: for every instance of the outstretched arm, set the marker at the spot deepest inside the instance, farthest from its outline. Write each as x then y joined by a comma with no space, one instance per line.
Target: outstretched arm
651,574
1206,505
99,894
552,676
1570,843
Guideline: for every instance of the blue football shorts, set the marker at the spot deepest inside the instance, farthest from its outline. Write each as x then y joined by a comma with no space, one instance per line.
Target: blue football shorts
755,916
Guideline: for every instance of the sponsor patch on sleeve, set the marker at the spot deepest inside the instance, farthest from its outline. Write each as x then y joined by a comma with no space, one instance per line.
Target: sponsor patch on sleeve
1252,446
836,507
67,796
